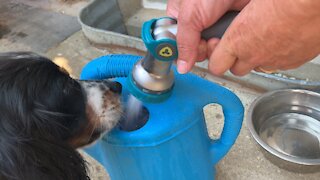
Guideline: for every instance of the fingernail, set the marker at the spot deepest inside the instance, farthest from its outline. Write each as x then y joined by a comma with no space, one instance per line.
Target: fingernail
182,66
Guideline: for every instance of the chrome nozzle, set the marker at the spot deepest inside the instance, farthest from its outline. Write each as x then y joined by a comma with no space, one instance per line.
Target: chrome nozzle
154,78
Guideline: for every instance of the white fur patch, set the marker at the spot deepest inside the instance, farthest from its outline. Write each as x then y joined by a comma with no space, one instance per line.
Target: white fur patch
108,114
95,99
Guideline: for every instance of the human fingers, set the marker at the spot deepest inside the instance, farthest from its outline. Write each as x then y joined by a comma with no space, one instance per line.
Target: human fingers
221,60
266,69
239,4
197,15
202,51
241,68
173,8
211,45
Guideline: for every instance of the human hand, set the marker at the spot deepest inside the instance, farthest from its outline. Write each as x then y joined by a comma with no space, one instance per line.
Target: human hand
193,17
268,34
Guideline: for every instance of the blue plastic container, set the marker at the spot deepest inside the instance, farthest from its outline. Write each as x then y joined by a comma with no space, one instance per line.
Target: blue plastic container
174,143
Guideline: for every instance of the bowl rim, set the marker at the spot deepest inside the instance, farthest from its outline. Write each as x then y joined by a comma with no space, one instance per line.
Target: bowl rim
249,122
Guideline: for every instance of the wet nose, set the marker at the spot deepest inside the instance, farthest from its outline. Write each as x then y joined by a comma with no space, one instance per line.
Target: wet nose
116,87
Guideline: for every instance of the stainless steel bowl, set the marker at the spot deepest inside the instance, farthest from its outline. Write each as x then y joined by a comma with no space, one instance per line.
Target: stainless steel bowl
286,123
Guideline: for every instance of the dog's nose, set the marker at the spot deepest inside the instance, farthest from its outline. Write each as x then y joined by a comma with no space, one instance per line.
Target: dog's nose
116,87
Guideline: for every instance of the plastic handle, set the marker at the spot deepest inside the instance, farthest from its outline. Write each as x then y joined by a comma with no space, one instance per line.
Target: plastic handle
233,111
217,30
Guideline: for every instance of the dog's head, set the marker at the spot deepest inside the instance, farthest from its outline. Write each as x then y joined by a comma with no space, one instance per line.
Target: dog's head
44,112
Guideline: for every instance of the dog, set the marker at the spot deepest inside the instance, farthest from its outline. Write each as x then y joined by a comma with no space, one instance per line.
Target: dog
45,115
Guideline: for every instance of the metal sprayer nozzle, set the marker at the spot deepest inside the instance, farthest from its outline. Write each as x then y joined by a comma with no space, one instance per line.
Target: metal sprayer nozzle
153,75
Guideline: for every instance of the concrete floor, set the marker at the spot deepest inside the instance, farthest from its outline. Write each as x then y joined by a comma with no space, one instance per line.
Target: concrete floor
245,161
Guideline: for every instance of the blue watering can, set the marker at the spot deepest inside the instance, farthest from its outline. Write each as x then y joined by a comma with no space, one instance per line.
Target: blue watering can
174,143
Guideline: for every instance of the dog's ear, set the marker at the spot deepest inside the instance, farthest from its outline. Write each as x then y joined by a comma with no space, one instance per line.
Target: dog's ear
40,160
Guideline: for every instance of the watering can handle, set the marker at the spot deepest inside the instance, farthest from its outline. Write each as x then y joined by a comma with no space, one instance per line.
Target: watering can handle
233,111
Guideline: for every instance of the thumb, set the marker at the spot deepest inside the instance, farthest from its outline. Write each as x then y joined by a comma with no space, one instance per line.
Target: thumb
187,47
173,8
188,37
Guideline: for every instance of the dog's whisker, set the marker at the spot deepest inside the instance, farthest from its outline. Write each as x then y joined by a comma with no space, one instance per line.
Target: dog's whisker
94,128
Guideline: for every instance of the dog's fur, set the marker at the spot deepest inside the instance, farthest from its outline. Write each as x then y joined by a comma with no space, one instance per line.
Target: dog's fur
45,115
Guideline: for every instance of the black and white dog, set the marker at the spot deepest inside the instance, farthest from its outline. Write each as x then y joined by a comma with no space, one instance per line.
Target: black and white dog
45,115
